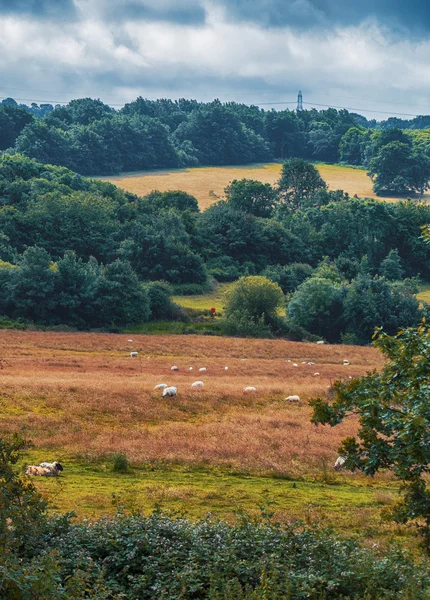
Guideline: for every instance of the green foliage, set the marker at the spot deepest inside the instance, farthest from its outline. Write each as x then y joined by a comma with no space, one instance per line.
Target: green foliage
398,169
391,267
299,181
394,415
252,197
316,306
256,297
120,463
160,303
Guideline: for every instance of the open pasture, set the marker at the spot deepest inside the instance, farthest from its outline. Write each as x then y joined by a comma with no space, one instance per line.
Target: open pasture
81,397
207,184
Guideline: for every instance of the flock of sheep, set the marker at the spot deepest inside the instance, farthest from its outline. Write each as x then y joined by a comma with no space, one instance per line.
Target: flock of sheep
47,469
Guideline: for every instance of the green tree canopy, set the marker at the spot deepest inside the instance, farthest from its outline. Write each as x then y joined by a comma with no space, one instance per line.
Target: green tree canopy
252,197
393,410
258,297
299,180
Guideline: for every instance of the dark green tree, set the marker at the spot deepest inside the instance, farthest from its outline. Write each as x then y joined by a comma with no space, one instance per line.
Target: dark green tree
253,197
119,297
398,169
394,416
299,180
391,267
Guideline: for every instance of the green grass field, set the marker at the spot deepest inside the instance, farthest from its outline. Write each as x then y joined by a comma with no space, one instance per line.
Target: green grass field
93,490
213,299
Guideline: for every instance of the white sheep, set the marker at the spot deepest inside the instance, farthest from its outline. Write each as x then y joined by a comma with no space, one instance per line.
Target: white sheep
249,388
190,369
54,466
320,342
160,386
340,461
202,370
169,391
174,368
225,368
295,365
316,374
45,469
311,364
198,385
132,354
345,362
292,399
130,341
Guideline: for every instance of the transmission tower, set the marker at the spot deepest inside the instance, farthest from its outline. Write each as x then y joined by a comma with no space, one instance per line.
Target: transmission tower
300,101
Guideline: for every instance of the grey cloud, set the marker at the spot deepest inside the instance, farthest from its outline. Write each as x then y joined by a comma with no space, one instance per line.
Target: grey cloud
402,17
44,9
191,12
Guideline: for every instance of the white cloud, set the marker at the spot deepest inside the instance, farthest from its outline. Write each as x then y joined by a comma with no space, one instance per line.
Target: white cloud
118,60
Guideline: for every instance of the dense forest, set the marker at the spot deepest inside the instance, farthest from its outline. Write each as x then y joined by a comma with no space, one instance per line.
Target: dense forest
83,252
91,138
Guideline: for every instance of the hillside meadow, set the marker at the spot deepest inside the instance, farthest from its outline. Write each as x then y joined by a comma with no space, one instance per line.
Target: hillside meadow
81,398
207,184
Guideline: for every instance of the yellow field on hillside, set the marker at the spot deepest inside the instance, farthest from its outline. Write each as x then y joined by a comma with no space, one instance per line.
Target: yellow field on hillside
207,183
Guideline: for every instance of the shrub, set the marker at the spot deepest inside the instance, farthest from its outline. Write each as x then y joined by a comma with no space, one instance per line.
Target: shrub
120,463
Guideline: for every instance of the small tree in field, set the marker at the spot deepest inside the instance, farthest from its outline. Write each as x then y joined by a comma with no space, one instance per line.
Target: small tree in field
393,408
255,296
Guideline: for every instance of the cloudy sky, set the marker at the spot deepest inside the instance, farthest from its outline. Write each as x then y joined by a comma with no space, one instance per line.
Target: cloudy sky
369,55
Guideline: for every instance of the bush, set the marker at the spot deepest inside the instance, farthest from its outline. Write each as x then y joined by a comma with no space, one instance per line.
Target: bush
120,463
160,303
240,323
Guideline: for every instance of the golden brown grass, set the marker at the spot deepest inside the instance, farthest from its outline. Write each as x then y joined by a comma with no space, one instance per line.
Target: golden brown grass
82,394
207,184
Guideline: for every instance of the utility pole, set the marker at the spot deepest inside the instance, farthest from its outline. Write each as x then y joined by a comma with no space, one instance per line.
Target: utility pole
300,101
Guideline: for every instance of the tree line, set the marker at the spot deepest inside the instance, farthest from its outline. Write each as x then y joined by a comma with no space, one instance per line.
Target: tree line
67,241
92,138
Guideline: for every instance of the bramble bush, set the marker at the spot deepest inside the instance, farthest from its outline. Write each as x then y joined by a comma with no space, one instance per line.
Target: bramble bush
160,556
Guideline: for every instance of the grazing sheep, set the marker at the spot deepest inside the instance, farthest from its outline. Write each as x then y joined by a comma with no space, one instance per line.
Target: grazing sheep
174,368
292,399
130,341
169,391
160,386
202,370
311,364
249,388
345,362
54,466
198,385
225,368
190,369
320,342
316,374
295,365
340,461
134,354
287,360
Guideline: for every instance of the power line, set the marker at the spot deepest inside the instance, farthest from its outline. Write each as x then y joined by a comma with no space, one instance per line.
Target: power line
114,105
383,112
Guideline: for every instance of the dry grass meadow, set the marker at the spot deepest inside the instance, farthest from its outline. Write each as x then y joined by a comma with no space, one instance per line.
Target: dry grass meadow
207,184
80,397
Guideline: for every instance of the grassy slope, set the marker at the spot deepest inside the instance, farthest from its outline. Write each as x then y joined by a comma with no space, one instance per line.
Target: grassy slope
80,397
424,293
207,183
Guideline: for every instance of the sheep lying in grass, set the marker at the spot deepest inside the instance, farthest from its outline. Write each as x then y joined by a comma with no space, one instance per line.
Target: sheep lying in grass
45,469
248,389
